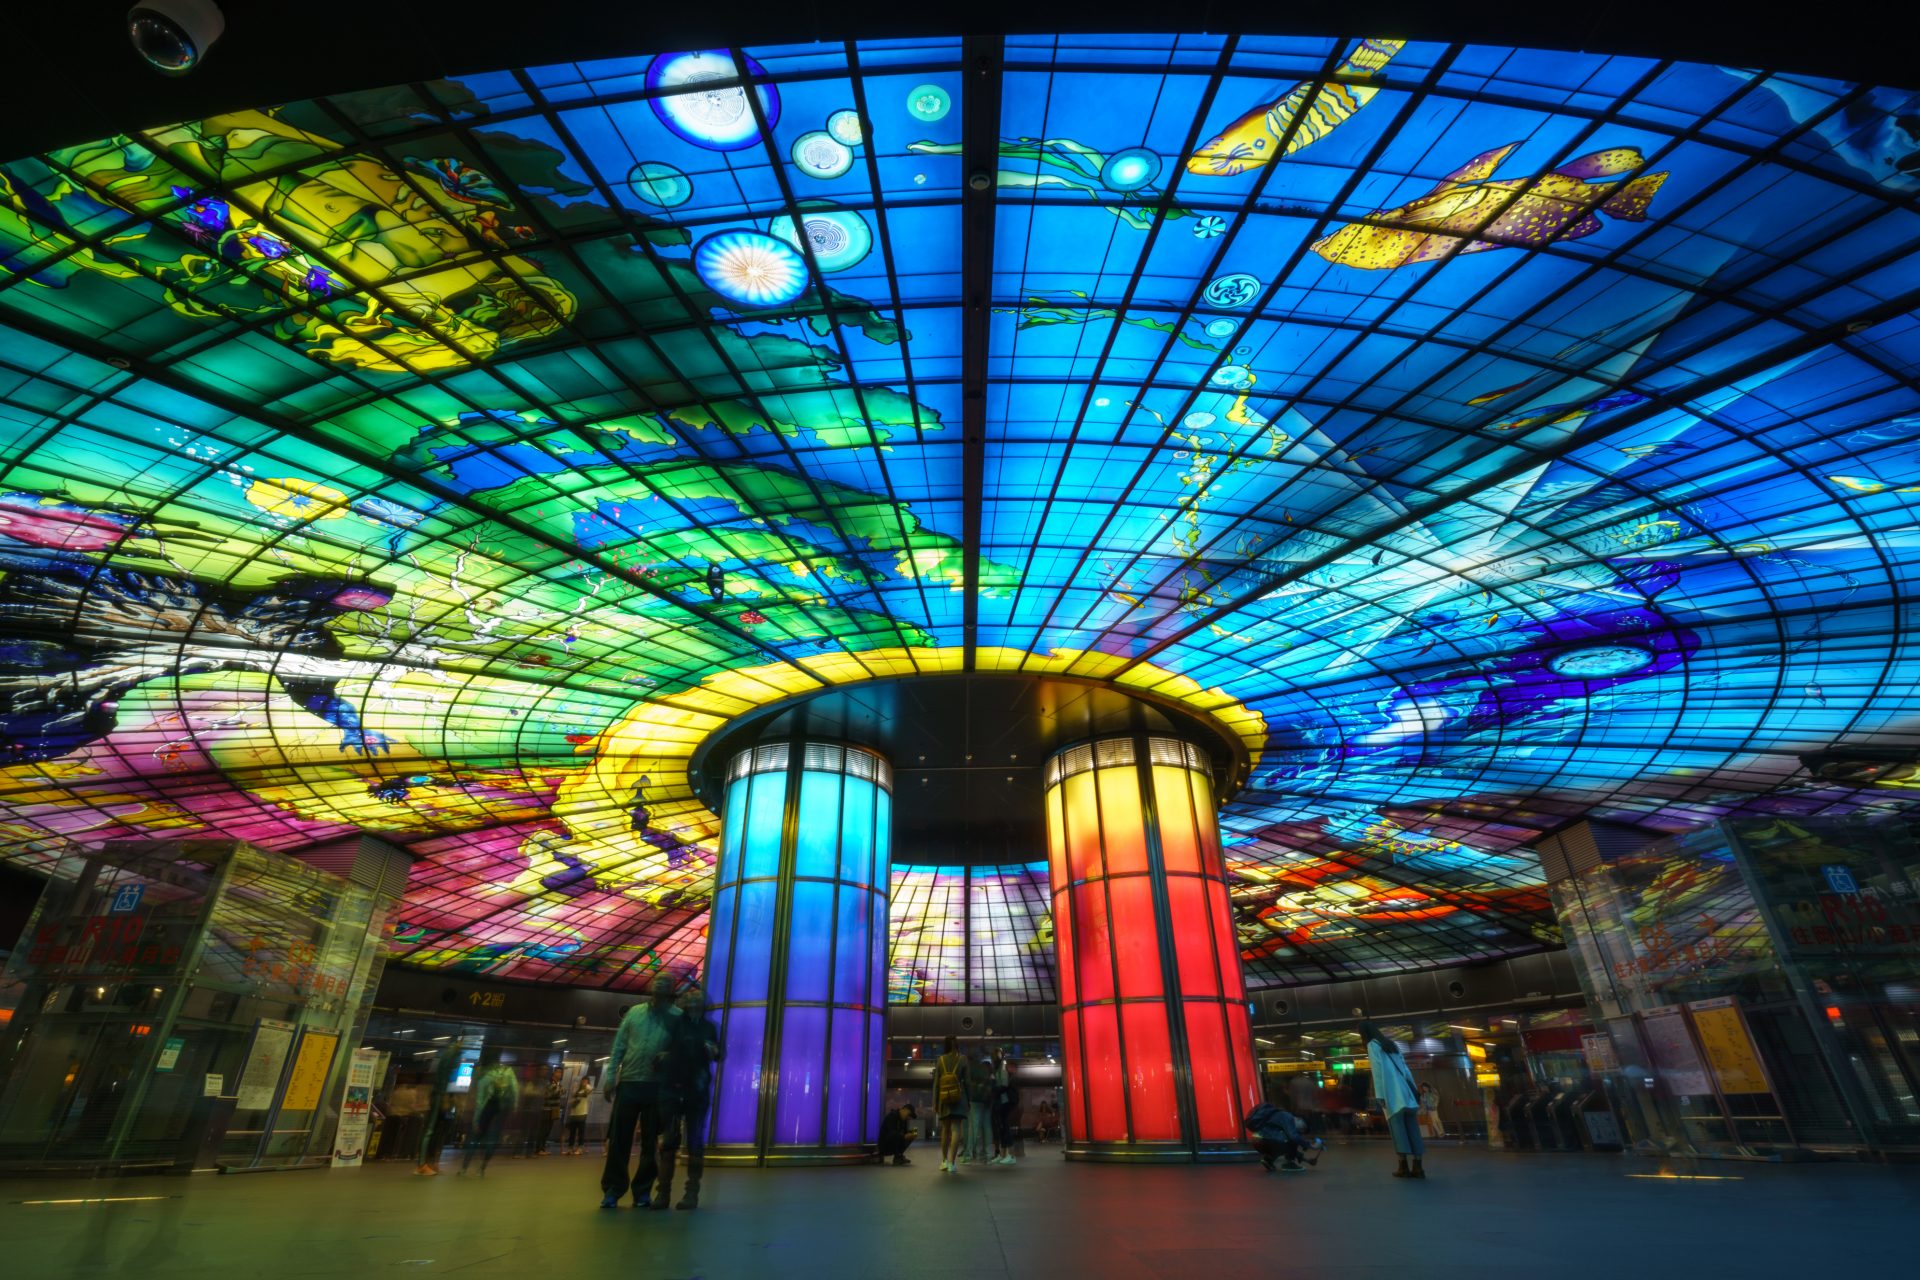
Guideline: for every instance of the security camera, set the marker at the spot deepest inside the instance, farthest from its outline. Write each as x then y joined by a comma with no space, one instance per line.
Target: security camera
174,35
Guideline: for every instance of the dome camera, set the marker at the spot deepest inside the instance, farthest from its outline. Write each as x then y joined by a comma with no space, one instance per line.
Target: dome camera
174,35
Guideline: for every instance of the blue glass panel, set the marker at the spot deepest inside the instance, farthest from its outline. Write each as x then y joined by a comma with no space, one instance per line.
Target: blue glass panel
731,853
810,940
852,960
882,836
856,831
766,813
720,944
819,824
753,941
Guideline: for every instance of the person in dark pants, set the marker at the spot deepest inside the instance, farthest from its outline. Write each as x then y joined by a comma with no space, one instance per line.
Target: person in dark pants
1005,1099
549,1110
694,1052
577,1117
495,1096
445,1064
896,1133
636,1073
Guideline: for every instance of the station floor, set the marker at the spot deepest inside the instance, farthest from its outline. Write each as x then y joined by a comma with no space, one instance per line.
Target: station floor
1478,1214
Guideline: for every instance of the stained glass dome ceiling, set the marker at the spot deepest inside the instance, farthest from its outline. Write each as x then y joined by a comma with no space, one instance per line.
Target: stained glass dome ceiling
1490,437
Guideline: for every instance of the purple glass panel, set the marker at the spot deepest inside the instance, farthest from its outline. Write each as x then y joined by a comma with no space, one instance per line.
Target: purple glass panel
876,1073
803,1047
877,991
736,1098
847,1078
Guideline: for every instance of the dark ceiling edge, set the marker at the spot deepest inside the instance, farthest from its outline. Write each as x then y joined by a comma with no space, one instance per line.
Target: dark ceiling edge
73,77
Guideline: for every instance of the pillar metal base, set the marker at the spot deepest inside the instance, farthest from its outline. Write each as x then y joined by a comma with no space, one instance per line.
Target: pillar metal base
1158,1153
747,1156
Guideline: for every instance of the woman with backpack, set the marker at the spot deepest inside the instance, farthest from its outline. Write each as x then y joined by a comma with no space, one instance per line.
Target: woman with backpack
950,1102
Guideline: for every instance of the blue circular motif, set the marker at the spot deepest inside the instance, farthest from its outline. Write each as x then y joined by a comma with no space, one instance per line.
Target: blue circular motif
821,155
1236,290
1129,170
1222,328
1236,377
660,185
928,102
718,118
1210,226
1197,421
1601,661
847,128
839,239
751,268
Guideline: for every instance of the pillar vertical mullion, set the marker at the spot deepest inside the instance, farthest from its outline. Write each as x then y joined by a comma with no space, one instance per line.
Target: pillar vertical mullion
1169,962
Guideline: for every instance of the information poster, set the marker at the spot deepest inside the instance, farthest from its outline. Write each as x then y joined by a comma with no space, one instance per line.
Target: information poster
356,1109
266,1058
1598,1051
1728,1046
1673,1053
310,1067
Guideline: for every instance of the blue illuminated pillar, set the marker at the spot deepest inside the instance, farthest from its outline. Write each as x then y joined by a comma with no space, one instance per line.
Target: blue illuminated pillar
796,952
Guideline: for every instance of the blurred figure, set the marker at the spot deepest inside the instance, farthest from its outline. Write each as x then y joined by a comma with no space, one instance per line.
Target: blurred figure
1393,1084
694,1052
577,1116
495,1094
979,1111
434,1137
1430,1112
1048,1123
550,1106
1005,1099
636,1072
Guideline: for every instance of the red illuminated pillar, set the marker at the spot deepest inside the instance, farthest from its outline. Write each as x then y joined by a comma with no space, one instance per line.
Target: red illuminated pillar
1153,1011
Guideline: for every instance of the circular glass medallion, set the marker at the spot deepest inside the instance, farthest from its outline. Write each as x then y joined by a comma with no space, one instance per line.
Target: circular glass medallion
1129,170
699,108
1236,290
660,185
846,128
1601,661
750,268
928,102
1221,328
839,239
821,155
1197,421
1235,377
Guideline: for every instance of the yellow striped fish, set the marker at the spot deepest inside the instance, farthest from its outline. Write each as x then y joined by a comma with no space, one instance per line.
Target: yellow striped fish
1254,139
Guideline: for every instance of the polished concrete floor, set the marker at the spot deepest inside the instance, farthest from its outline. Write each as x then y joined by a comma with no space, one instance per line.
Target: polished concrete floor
1479,1214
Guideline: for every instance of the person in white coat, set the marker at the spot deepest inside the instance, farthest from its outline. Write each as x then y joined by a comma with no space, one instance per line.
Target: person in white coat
1393,1085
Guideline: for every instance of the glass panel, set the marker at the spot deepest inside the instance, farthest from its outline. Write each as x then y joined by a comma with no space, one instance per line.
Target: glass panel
1122,824
1194,948
1137,934
1150,1072
817,828
736,1099
1172,803
1214,1079
847,1076
766,815
803,1085
810,941
1105,1076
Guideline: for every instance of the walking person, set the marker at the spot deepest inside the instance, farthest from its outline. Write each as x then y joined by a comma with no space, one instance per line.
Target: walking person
690,1065
1005,1099
1393,1085
550,1109
636,1071
577,1117
979,1112
434,1137
950,1102
1430,1111
494,1098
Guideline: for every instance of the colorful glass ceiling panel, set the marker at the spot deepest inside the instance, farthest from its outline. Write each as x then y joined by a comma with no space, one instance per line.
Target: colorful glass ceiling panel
1489,437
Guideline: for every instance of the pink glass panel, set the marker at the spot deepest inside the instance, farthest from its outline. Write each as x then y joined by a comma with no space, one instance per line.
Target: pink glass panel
1092,945
1070,1057
1233,986
1063,948
1193,946
1213,1076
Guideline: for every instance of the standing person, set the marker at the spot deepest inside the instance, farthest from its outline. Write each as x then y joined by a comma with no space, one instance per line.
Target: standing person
1430,1111
1005,1098
577,1116
434,1137
550,1109
1393,1084
950,1101
896,1133
636,1071
495,1096
690,1064
979,1112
